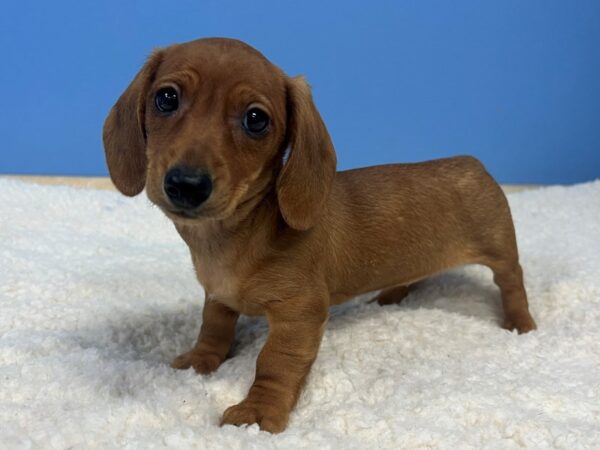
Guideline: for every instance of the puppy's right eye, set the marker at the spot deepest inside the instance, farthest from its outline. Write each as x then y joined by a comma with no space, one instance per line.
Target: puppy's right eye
167,100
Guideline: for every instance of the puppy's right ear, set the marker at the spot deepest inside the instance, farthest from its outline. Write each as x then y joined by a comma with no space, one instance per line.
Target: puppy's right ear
124,133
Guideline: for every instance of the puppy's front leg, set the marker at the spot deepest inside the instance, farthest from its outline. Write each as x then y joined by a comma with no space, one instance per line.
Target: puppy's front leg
282,366
215,339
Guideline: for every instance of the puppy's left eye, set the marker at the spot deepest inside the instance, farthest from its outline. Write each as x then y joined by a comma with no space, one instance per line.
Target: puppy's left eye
166,100
255,121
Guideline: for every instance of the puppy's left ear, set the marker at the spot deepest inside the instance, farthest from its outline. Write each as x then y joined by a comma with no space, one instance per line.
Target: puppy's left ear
304,183
124,133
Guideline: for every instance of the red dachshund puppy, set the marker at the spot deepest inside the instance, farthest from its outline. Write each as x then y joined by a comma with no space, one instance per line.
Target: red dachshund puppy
235,153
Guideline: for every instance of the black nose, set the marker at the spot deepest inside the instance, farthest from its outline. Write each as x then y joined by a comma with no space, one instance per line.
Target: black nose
187,188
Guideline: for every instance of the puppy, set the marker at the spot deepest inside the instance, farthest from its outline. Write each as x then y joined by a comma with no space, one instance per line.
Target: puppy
235,153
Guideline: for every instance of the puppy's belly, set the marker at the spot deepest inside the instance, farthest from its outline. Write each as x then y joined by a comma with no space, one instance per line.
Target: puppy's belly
339,297
398,271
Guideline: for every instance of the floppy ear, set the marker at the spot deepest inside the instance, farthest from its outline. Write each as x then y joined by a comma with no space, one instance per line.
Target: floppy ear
124,134
305,180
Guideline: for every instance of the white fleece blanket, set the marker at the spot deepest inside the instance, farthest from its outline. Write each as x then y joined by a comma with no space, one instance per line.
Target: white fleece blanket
97,296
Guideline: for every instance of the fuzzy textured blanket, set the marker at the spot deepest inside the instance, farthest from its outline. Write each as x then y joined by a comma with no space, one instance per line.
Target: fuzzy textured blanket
97,296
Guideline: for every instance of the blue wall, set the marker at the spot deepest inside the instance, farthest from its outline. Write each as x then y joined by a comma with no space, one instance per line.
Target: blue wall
513,82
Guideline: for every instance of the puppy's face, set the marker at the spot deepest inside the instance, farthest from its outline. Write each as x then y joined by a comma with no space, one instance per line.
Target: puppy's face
215,126
204,126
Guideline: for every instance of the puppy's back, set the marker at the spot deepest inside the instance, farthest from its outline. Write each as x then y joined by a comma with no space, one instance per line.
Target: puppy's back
394,215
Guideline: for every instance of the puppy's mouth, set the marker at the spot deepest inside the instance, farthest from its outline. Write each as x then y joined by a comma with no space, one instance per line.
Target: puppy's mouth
182,213
189,215
218,209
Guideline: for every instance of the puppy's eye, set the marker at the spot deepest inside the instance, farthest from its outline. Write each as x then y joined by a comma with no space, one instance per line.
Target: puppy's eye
166,100
255,121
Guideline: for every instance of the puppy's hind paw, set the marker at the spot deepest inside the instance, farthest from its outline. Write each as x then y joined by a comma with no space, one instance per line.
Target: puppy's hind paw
523,323
392,295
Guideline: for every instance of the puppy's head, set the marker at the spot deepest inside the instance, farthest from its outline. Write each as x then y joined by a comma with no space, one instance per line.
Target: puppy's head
205,126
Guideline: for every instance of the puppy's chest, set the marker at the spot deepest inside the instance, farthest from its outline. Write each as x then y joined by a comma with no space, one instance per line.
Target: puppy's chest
222,279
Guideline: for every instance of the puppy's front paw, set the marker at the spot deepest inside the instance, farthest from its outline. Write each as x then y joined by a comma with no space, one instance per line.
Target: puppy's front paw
202,362
268,417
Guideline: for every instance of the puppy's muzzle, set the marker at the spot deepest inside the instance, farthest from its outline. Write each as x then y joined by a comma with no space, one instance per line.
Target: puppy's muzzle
187,188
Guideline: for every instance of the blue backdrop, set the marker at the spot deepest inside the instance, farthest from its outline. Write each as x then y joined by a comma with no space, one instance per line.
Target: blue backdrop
513,82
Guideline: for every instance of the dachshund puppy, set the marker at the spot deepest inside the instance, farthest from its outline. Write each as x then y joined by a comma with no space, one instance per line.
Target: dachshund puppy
235,153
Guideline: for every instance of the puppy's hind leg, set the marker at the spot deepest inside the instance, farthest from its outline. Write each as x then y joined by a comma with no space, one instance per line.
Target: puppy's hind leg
509,278
497,241
392,295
